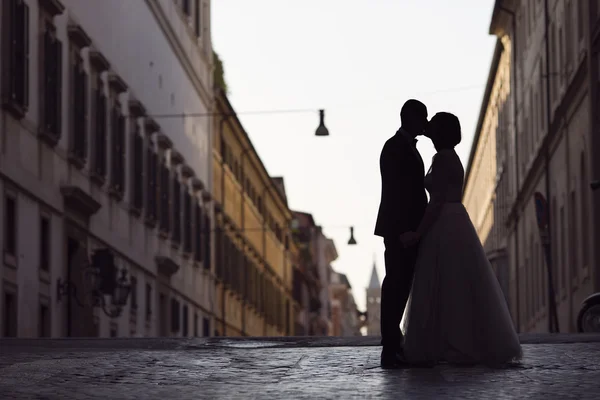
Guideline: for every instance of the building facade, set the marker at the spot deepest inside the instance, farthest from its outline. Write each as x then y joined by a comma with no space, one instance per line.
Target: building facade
373,320
254,250
88,164
486,195
344,313
307,285
326,254
554,87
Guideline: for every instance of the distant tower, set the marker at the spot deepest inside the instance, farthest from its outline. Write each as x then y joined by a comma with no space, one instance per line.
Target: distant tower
374,304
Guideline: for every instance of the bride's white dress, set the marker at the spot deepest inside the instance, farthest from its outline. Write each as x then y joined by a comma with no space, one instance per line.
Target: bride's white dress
456,312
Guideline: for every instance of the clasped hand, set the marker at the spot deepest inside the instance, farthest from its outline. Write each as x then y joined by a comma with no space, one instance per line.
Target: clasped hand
410,238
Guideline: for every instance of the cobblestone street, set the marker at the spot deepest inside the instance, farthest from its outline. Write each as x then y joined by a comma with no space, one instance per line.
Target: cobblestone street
560,367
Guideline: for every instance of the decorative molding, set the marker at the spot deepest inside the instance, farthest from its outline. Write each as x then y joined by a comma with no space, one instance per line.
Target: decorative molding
98,61
197,184
151,126
176,157
78,36
52,7
218,208
187,171
116,83
78,200
166,266
136,108
163,141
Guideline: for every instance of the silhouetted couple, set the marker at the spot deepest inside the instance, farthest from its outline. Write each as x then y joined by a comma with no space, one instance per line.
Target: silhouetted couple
438,281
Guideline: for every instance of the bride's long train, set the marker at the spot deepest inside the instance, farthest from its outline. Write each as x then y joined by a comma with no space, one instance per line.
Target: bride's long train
457,311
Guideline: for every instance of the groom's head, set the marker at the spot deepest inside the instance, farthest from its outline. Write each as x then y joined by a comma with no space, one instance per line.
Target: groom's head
414,117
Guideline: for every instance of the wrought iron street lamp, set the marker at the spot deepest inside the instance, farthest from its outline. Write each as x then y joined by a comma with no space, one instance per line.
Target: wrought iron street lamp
295,225
352,240
108,291
321,129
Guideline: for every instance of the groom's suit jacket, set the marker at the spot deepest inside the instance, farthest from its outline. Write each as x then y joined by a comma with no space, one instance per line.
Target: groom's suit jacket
403,198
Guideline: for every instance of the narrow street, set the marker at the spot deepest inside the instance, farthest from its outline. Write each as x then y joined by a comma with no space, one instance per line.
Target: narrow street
558,367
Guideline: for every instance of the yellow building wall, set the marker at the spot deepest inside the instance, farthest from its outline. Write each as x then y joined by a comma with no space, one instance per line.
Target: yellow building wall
481,183
251,229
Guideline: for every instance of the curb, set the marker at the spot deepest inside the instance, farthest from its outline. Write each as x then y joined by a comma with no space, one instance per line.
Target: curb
99,344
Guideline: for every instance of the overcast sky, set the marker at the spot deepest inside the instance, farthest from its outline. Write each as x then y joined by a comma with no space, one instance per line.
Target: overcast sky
360,61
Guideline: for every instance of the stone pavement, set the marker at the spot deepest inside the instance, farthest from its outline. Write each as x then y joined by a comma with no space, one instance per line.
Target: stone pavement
555,367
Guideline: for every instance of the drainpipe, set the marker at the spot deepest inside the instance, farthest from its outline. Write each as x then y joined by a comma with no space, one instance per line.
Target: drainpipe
516,148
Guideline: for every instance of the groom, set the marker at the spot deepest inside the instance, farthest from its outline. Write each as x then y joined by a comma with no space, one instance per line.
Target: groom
403,202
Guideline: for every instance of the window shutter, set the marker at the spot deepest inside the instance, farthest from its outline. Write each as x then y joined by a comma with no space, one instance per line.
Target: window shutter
58,88
199,234
84,110
206,239
23,18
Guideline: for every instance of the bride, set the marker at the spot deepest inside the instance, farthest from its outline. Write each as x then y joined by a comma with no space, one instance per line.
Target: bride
457,312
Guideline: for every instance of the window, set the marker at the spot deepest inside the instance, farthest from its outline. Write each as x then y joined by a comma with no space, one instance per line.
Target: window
165,181
197,17
10,225
196,325
185,6
223,150
199,234
45,243
206,238
187,221
249,279
227,256
10,313
148,301
117,151
16,59
78,139
137,168
51,85
219,253
100,110
44,321
175,321
99,113
205,327
176,208
580,19
185,321
561,56
552,66
152,185
134,293
205,12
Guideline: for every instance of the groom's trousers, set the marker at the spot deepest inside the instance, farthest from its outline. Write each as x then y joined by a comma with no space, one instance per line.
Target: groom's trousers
399,272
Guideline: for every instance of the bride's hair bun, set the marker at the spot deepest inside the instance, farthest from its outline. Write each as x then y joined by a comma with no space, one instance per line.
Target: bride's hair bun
449,129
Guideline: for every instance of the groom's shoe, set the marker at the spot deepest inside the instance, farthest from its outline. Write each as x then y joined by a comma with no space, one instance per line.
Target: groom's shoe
391,360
